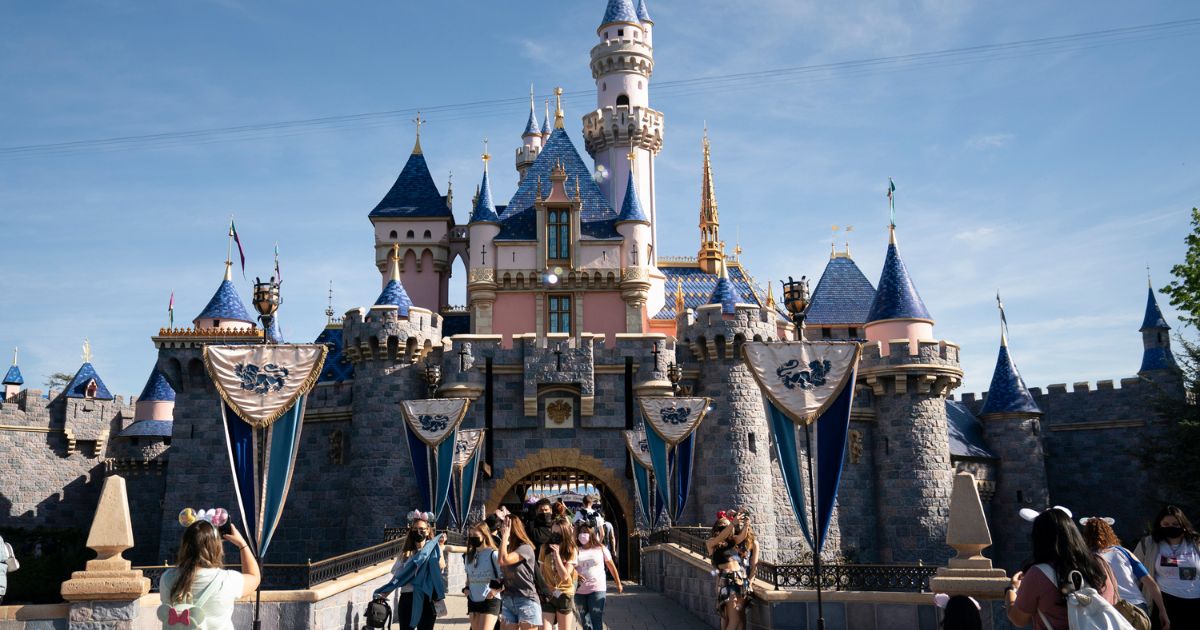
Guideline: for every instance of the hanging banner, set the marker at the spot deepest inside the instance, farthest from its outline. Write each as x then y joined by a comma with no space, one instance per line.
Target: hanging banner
432,426
466,473
673,419
802,374
262,382
433,420
263,390
672,423
639,456
635,443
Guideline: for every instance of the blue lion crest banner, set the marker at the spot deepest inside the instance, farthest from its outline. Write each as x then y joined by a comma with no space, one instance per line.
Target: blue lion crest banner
466,473
639,455
808,384
431,425
671,442
263,389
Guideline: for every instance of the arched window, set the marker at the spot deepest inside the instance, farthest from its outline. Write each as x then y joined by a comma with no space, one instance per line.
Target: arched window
393,234
604,86
428,235
622,100
558,235
410,234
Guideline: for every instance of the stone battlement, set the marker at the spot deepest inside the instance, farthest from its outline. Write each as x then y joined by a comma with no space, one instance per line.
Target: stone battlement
380,334
1056,390
614,126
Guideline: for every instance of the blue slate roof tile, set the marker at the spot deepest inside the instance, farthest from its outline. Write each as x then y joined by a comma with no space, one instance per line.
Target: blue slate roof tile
531,126
619,11
484,209
896,297
965,432
1007,393
148,428
414,194
275,333
1158,358
13,376
698,287
337,367
77,388
631,208
723,293
843,295
642,13
546,124
518,222
394,294
456,324
226,304
157,389
1154,317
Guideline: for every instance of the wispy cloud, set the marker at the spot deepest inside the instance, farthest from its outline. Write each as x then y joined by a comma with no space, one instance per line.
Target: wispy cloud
977,236
988,141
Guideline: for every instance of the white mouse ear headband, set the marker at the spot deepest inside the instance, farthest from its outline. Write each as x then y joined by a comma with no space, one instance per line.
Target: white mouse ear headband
1107,519
1029,514
418,515
941,599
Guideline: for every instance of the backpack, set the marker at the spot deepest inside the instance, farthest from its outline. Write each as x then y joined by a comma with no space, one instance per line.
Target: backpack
1086,607
190,615
10,560
378,613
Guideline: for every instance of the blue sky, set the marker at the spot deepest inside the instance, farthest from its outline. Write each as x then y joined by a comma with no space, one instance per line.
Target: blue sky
1053,176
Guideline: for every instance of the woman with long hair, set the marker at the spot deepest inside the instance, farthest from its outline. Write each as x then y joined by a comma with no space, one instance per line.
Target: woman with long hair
1130,575
520,607
1058,550
732,586
594,557
484,580
420,533
1171,554
556,566
198,567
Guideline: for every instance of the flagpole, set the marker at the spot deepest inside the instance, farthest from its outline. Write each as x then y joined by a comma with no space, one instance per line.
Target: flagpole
229,249
816,534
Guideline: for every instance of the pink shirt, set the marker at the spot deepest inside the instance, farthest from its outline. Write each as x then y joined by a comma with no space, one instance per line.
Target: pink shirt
1038,593
591,570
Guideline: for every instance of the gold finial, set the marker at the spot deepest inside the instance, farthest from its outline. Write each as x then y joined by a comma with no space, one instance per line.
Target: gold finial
679,303
15,350
632,155
558,111
539,187
87,351
485,156
849,229
418,121
770,295
394,262
576,188
329,307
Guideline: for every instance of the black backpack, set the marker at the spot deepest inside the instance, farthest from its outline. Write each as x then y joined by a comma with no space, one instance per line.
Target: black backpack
378,613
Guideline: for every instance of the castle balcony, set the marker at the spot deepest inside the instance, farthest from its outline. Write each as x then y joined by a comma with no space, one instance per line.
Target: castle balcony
614,127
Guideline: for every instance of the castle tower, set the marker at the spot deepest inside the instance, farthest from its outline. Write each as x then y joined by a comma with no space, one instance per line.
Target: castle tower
481,283
910,373
12,379
733,461
417,217
647,24
1157,358
225,309
621,66
1011,420
634,227
546,125
712,250
157,400
531,141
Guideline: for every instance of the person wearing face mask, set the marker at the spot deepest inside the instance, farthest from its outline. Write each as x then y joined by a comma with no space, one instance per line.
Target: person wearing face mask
420,533
484,580
556,576
592,590
1171,554
541,523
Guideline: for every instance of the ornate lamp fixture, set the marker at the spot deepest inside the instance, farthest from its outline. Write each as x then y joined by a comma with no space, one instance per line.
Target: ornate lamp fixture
433,376
266,302
674,374
795,299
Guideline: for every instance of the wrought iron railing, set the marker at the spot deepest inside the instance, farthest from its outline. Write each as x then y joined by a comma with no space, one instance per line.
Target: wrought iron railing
834,577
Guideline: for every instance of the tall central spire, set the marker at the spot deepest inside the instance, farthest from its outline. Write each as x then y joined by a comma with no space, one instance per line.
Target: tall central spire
712,250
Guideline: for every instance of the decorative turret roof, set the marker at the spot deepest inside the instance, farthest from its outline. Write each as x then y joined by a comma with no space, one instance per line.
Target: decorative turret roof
1007,393
896,297
619,11
965,432
546,121
843,295
275,333
13,376
631,208
414,194
724,293
337,368
642,14
531,126
225,303
1154,318
694,286
157,389
148,428
484,210
393,292
711,254
78,387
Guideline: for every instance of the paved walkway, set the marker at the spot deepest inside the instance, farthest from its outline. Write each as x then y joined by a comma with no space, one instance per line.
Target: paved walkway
636,609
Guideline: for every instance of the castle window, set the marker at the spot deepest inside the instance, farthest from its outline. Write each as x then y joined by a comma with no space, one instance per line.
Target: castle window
428,235
827,333
558,235
410,234
1160,337
620,32
393,234
559,314
853,332
622,100
604,86
216,323
605,34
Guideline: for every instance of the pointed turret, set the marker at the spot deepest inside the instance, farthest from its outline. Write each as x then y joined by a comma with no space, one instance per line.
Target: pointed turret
87,384
155,409
393,292
643,14
724,293
546,124
631,208
12,379
484,210
619,11
225,309
532,141
413,194
897,311
1007,393
531,126
1156,338
712,249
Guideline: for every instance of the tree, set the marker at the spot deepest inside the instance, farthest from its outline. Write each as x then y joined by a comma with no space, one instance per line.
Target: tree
1184,291
58,381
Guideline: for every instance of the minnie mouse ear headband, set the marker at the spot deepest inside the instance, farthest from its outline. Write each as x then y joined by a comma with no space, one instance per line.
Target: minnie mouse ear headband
941,599
1029,514
1107,519
216,516
418,515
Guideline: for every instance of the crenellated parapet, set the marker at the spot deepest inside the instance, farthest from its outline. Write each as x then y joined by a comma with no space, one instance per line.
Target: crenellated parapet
712,334
891,368
381,334
619,126
558,359
622,55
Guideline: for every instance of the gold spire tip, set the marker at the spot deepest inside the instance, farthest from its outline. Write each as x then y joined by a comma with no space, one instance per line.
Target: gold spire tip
558,110
418,121
485,155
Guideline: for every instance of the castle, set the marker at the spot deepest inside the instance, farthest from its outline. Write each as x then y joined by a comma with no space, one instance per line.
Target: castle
572,305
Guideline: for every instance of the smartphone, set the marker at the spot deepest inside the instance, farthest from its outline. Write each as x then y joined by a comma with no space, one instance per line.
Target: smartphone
225,529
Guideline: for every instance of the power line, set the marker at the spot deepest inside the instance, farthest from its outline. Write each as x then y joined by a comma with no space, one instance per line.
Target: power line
663,89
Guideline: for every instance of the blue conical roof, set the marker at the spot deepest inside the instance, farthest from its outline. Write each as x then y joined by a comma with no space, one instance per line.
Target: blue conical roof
78,385
395,295
1008,393
619,11
414,194
13,376
724,294
642,13
843,295
484,209
546,124
631,208
157,389
226,304
275,333
1154,317
896,297
531,126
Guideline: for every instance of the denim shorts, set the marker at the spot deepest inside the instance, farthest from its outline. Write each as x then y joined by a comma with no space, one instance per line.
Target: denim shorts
521,610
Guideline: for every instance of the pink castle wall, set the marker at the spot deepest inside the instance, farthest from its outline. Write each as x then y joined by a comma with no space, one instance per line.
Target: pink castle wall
900,329
604,313
514,314
154,410
424,286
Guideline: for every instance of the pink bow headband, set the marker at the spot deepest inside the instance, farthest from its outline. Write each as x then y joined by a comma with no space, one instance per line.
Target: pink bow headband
418,515
216,516
1029,514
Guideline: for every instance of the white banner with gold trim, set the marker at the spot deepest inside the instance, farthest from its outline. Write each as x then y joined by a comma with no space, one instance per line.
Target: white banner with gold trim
432,420
468,442
673,419
802,378
635,443
262,382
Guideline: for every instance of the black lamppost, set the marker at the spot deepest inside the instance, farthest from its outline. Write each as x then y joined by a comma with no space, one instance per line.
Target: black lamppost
266,302
432,376
795,299
674,374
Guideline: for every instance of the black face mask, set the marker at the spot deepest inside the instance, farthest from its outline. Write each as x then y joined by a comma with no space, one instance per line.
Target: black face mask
475,541
555,538
544,519
1171,532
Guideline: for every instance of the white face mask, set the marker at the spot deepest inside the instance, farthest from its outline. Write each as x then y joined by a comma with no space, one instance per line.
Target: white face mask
584,538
